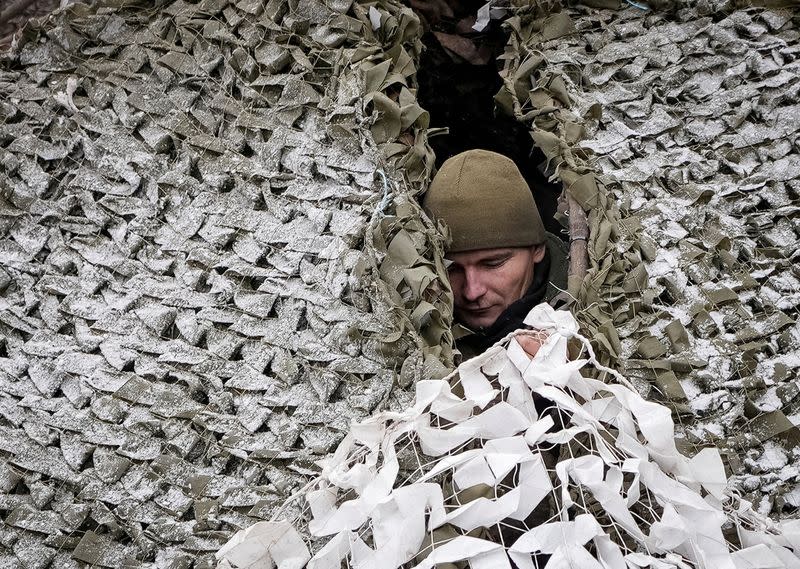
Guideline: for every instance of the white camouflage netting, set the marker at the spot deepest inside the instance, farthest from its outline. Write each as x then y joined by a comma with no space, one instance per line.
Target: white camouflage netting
619,496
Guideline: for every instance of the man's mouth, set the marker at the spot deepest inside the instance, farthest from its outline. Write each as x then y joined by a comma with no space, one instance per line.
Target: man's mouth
477,311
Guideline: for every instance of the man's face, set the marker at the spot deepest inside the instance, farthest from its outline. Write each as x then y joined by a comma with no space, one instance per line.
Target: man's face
486,281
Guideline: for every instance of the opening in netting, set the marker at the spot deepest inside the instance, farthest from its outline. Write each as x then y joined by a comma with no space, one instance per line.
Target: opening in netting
458,79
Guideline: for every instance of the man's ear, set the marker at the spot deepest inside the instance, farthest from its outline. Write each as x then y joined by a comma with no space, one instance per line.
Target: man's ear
537,253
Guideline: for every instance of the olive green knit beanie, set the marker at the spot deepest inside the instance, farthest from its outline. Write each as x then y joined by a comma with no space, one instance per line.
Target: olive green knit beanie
484,200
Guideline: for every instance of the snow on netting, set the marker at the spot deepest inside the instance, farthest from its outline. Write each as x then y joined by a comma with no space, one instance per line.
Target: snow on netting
535,465
211,262
700,109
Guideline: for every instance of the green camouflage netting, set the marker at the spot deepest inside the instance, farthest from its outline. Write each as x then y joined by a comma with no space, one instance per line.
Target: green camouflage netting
211,263
212,259
693,287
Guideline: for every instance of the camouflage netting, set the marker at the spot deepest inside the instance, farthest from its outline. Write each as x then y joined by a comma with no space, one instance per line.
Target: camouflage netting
211,263
211,259
13,16
538,466
693,288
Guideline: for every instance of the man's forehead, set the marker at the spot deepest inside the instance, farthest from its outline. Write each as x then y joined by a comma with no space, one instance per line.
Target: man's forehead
478,255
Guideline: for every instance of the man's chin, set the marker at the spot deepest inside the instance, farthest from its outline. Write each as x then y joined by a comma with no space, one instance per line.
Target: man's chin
477,320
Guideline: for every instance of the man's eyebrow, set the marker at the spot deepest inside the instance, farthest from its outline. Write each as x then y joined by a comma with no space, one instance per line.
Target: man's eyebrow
498,256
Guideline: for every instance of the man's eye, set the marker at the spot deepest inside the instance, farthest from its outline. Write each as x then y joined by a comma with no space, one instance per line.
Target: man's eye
494,263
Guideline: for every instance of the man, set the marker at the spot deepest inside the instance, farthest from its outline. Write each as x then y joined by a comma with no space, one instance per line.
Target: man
501,260
502,263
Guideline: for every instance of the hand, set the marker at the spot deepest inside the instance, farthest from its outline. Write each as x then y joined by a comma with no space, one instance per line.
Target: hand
531,343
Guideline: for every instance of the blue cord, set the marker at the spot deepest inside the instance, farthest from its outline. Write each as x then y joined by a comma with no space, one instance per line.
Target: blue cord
384,203
637,5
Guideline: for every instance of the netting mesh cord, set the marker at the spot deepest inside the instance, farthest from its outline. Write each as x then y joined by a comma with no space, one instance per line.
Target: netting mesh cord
523,461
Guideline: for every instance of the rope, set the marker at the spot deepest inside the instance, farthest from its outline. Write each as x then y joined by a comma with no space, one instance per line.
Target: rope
384,203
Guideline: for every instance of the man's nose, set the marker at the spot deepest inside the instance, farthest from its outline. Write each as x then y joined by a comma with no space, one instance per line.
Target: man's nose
474,288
